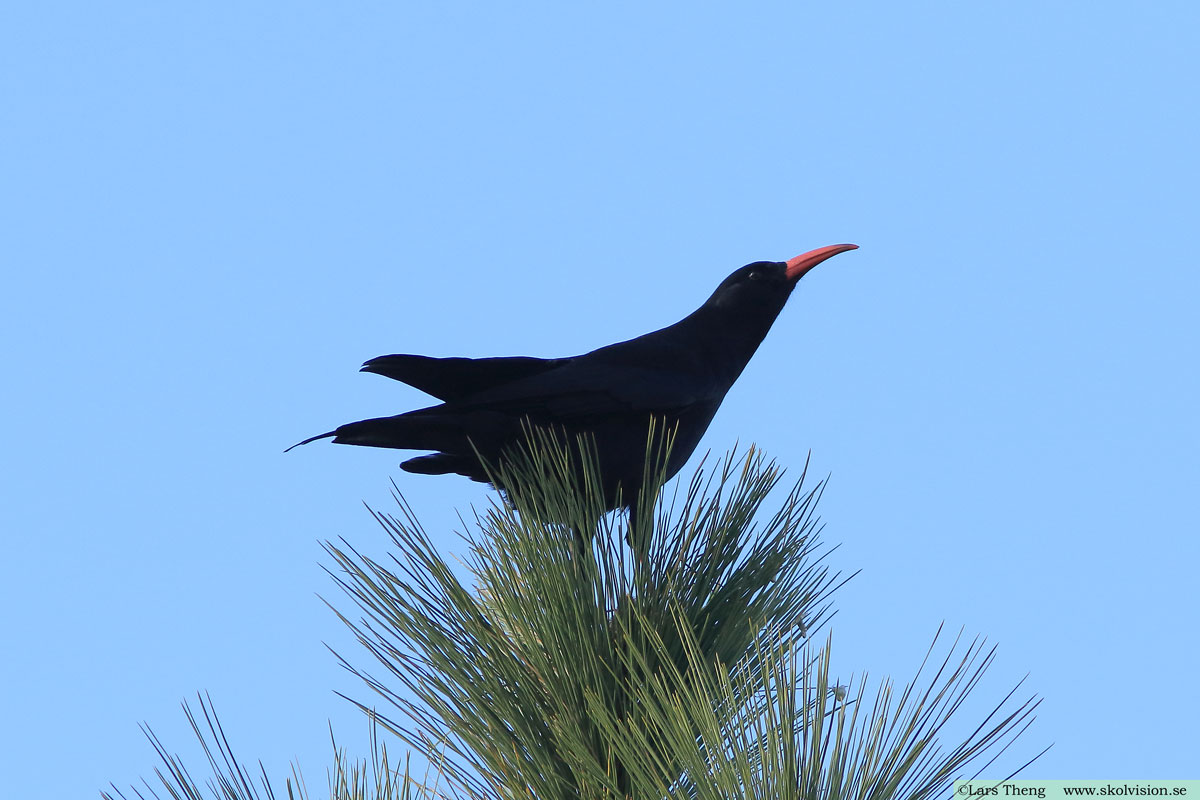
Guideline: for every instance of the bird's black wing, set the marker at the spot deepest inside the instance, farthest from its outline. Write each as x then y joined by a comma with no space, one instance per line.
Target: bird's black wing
584,388
452,379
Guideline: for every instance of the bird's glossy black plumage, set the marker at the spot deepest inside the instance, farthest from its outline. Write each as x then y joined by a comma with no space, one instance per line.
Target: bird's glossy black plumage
677,376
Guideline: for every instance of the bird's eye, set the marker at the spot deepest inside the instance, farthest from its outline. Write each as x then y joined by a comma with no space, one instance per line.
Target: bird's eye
755,275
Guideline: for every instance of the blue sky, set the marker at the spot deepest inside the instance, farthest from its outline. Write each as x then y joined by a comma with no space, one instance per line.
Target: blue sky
213,214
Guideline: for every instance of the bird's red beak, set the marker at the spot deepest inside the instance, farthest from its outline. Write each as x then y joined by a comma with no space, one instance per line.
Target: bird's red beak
796,267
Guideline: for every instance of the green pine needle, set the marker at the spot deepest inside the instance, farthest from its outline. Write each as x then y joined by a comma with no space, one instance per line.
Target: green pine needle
663,653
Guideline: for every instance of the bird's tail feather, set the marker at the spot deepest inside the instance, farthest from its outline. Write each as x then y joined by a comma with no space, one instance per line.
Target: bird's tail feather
412,431
312,439
444,464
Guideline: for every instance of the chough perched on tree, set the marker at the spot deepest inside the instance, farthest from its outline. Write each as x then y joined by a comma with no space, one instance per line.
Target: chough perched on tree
674,378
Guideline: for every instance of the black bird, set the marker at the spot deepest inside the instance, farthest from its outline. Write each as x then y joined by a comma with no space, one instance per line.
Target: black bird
676,376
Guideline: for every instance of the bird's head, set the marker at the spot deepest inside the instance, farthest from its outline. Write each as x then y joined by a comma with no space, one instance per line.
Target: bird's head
763,287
